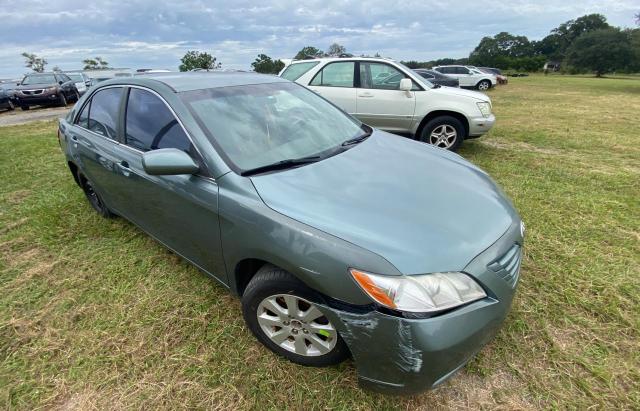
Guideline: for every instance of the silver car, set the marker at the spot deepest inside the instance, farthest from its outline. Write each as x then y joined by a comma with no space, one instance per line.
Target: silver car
390,96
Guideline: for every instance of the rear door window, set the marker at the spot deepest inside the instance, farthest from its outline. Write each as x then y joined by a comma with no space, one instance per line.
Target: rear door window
150,125
335,75
103,114
295,71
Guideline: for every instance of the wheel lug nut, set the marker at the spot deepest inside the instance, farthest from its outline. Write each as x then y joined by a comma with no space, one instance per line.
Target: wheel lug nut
305,331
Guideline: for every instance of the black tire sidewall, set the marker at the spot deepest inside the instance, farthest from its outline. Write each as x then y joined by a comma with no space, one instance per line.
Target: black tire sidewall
270,281
63,99
438,121
100,208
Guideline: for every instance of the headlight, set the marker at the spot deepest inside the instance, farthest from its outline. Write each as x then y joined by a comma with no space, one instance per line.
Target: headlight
52,88
485,108
420,293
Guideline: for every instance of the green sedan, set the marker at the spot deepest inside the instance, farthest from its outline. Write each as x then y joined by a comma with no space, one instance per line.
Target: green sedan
341,240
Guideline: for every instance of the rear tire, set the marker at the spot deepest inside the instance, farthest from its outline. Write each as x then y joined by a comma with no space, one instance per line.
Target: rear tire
445,132
24,108
297,330
93,197
11,107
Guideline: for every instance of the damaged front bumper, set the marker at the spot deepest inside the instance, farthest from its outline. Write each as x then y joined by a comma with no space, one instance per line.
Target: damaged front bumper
404,356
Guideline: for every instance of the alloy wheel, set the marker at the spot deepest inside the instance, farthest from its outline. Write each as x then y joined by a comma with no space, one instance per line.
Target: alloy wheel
484,86
443,136
296,325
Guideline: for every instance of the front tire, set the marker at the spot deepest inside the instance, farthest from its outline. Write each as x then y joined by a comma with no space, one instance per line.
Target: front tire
63,100
93,197
445,132
281,312
11,107
484,85
24,108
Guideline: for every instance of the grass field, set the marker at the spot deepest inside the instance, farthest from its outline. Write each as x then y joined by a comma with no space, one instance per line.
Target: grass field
95,314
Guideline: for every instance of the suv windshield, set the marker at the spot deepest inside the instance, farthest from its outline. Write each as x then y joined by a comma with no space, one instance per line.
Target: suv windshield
39,79
256,125
295,70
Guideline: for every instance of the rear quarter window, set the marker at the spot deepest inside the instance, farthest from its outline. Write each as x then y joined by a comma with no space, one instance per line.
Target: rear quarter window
296,70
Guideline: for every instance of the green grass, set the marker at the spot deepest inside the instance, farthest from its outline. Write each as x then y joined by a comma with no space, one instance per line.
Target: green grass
95,314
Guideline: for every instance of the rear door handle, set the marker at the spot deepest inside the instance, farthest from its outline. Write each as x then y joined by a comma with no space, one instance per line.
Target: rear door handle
365,94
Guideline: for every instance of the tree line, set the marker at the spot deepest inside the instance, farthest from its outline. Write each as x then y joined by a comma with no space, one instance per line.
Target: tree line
586,44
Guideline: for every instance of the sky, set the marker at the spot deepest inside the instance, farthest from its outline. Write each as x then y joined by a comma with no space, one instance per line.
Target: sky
156,34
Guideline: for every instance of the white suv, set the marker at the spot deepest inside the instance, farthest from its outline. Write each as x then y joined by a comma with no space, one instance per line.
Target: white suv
388,95
469,76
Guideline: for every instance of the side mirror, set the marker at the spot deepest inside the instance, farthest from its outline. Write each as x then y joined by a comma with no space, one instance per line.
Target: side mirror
406,84
168,161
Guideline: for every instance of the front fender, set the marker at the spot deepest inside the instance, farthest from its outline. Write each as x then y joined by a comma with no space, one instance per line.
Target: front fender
251,230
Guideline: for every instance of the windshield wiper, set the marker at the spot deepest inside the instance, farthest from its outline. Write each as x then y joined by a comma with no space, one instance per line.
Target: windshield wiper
281,165
357,140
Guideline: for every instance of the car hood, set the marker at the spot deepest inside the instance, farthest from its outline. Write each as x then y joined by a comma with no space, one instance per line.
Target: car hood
463,93
35,86
421,208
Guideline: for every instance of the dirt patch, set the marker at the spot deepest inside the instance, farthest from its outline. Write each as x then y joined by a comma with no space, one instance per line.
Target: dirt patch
35,114
17,197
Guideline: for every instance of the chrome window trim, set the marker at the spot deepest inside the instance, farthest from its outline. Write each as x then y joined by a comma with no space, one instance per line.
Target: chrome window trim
89,98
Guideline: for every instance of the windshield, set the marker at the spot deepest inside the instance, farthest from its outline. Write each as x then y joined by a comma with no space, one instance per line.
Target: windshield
76,77
39,79
294,71
256,125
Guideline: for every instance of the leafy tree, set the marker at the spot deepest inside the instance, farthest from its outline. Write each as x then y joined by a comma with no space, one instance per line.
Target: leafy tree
265,64
600,51
308,51
503,44
198,60
97,63
34,62
569,31
336,49
550,46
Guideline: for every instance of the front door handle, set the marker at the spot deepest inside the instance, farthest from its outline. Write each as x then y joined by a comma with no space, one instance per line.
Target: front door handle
365,94
124,167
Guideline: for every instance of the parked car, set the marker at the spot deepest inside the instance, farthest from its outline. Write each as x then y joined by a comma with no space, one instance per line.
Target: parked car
6,101
489,70
81,80
399,100
9,86
469,76
435,77
339,238
46,89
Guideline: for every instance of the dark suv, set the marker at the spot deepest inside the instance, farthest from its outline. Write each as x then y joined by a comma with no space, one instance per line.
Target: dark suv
45,89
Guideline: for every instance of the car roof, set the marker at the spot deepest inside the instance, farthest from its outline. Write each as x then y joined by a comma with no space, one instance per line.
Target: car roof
328,59
187,81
